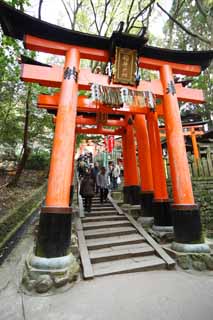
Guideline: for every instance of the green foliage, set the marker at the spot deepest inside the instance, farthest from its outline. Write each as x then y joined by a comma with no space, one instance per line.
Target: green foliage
13,96
103,17
18,4
38,160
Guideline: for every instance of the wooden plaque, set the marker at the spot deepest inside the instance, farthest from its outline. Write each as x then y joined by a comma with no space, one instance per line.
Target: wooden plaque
125,66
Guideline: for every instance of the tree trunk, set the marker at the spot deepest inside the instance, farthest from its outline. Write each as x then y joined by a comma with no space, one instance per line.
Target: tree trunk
25,148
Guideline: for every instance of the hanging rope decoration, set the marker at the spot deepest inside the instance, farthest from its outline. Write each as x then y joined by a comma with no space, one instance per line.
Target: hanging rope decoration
137,73
101,118
117,97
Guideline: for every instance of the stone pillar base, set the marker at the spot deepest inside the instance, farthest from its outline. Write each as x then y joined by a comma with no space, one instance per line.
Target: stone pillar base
42,275
146,221
168,229
190,248
131,194
162,213
187,224
146,203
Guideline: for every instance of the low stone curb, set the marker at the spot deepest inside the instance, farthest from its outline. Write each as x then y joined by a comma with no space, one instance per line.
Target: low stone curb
191,261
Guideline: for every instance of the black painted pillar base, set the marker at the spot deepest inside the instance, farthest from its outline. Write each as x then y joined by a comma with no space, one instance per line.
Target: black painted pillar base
54,232
187,224
132,194
146,203
161,210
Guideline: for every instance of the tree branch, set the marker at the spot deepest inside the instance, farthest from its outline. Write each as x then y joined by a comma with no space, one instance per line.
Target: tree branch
183,28
95,17
107,2
127,19
201,8
115,7
67,11
134,18
75,12
39,9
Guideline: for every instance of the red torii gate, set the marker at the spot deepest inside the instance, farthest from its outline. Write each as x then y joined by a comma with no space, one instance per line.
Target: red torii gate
55,219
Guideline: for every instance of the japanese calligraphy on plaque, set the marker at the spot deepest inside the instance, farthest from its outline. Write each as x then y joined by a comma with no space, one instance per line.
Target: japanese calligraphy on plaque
125,66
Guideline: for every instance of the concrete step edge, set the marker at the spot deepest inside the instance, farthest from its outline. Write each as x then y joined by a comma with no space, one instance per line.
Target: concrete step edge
109,234
152,264
103,218
112,243
96,226
97,256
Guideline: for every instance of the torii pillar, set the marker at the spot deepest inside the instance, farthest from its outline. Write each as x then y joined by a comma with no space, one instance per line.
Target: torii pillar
145,166
194,144
161,203
186,213
131,182
55,220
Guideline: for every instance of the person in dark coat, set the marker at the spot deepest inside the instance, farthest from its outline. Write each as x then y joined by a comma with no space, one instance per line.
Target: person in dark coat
87,190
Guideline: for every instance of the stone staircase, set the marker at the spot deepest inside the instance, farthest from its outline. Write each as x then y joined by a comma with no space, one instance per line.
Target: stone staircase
112,242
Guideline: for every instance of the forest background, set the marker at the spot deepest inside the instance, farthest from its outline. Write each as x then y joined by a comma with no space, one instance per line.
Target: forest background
25,132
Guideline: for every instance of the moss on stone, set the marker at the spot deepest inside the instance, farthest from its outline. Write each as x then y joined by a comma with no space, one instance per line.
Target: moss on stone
11,222
184,261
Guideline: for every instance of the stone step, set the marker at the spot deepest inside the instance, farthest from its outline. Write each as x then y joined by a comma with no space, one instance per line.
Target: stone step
120,252
109,232
103,212
128,265
100,214
93,208
94,244
100,208
103,218
105,224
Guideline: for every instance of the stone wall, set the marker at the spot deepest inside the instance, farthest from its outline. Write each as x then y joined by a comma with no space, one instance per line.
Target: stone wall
203,192
13,221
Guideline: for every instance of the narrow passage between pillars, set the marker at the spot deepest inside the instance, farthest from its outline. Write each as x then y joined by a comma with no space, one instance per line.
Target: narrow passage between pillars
161,203
145,166
186,214
72,186
55,219
131,183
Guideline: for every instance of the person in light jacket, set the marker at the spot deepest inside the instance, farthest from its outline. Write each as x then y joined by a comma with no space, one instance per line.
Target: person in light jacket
102,183
115,174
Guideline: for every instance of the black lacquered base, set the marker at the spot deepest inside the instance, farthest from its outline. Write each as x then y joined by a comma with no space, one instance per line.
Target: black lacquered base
54,233
132,194
161,210
146,203
187,223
